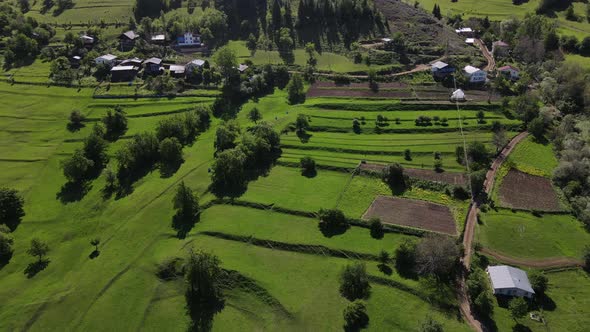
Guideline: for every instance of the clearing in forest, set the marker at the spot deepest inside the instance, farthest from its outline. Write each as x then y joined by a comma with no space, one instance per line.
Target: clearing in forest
412,213
528,192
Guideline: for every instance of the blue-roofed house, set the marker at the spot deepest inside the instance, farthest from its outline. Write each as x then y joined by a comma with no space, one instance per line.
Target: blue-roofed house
441,69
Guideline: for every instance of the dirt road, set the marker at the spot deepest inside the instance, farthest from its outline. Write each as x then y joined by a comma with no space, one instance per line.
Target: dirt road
469,233
488,185
547,263
486,53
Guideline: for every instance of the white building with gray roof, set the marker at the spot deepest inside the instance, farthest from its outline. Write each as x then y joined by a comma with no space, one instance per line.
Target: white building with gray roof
510,281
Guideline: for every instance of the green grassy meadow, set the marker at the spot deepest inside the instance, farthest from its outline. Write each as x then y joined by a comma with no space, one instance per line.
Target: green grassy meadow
499,10
118,290
548,236
534,158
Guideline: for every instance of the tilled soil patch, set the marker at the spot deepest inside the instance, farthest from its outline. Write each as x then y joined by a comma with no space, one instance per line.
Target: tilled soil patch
412,213
529,192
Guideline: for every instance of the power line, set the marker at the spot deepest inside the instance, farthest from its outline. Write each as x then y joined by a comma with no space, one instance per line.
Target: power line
464,141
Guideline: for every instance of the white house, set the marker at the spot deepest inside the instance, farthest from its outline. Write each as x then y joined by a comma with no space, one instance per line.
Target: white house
467,32
194,65
189,39
510,72
458,95
107,59
242,68
470,41
475,75
510,281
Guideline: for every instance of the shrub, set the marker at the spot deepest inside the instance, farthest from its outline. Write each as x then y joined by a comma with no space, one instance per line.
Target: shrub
354,282
355,315
408,154
393,176
539,282
332,218
376,228
307,166
459,192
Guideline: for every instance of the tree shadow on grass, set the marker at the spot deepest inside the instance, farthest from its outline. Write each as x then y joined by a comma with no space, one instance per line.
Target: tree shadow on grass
312,173
36,267
94,254
304,136
183,225
73,127
202,314
385,269
521,328
361,324
167,170
329,231
406,271
73,192
377,234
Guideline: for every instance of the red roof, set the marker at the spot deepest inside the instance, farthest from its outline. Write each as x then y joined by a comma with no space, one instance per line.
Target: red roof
508,68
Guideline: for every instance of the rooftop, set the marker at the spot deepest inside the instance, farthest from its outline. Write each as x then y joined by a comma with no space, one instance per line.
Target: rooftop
242,67
108,57
462,30
439,65
156,61
471,69
124,68
507,68
503,276
130,34
177,68
500,43
197,62
158,37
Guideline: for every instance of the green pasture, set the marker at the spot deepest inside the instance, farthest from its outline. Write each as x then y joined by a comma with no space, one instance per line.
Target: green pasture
342,120
568,307
534,158
326,60
523,235
244,221
388,143
351,160
85,11
499,10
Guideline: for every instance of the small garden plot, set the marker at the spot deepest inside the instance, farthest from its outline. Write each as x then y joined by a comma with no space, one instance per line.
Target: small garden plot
412,213
528,192
424,174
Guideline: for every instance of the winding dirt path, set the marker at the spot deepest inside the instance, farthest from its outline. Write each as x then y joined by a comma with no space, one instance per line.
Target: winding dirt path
546,263
469,233
486,53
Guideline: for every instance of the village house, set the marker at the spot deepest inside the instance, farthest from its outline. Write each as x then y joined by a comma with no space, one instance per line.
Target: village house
467,32
158,39
107,59
440,69
500,49
242,68
194,65
470,41
475,75
510,73
510,281
127,40
75,61
153,66
87,40
189,40
458,95
132,62
123,73
177,71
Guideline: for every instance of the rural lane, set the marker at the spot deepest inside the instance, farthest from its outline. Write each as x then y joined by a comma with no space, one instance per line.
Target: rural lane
486,53
546,263
469,233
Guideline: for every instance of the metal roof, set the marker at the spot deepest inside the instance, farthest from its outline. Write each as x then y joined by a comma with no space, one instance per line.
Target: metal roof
439,65
156,61
504,276
471,69
123,68
197,62
108,57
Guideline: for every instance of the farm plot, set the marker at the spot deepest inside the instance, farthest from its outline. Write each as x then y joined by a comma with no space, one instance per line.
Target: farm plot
391,90
412,213
529,192
424,174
